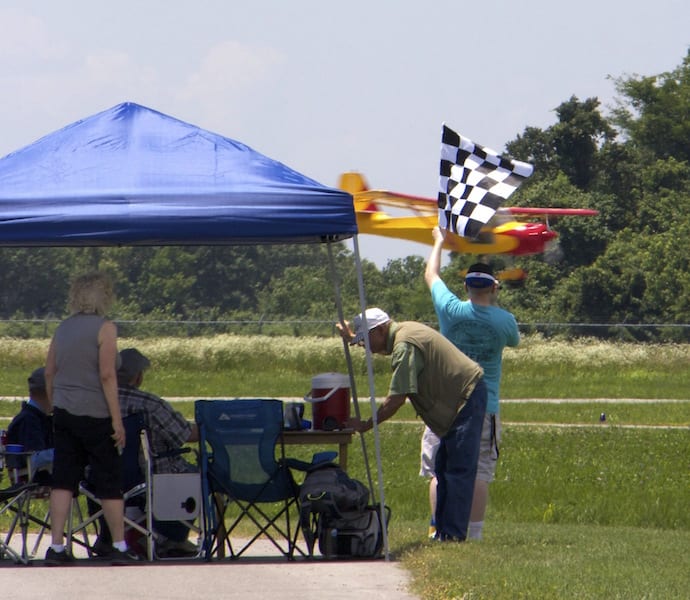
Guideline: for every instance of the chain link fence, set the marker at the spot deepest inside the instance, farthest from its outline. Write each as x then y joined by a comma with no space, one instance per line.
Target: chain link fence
143,328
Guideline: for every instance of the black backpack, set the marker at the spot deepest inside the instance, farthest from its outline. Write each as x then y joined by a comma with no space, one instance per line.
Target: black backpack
335,510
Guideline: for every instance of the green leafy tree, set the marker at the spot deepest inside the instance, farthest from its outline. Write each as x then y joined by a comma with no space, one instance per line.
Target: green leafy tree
537,147
404,294
617,185
665,196
577,137
654,111
35,281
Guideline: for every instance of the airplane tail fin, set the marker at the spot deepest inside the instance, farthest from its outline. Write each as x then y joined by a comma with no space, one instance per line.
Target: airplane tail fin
353,182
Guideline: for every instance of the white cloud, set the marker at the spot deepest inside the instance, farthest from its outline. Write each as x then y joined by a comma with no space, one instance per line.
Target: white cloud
230,68
229,86
119,72
25,38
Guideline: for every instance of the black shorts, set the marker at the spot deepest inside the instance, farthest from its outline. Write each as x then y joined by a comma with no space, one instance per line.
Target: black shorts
82,442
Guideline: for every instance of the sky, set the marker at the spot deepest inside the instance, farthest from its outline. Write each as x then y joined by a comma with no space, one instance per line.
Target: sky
329,87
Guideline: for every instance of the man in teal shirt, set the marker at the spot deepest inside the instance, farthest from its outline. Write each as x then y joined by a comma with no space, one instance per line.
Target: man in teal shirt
481,330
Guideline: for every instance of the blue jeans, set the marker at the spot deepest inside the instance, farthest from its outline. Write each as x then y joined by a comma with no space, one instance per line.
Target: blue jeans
456,467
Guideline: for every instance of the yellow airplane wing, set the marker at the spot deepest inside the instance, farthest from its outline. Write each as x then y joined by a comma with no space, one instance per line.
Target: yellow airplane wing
371,219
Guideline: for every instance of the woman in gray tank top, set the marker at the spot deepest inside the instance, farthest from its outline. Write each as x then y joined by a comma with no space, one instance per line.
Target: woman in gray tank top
81,381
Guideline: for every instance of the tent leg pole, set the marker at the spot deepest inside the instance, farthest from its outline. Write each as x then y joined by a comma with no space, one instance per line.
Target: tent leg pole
372,400
350,368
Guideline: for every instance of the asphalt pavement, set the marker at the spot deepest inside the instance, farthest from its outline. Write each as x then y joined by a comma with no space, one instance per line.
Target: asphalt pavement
261,574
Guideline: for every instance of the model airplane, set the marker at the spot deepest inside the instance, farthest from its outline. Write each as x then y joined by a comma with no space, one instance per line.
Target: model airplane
506,233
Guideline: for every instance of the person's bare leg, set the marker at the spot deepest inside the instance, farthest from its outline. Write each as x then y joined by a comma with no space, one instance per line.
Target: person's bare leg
113,511
60,505
480,499
433,484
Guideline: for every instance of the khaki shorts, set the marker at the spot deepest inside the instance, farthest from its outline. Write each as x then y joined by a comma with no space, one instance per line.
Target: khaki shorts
488,451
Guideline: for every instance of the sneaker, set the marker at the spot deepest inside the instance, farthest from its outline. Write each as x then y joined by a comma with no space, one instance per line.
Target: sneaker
136,541
57,559
172,549
432,532
120,558
448,538
101,549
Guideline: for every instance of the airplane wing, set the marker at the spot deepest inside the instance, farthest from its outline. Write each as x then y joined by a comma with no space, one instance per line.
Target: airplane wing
367,200
421,204
563,212
395,200
506,233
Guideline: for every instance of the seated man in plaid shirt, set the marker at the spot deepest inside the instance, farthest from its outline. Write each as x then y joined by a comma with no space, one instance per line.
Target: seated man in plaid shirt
168,432
168,429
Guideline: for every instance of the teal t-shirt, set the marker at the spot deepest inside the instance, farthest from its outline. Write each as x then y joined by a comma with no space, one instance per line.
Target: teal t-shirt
481,332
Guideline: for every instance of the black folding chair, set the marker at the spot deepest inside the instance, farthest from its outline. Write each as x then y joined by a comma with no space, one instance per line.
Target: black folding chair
239,440
26,499
15,500
136,485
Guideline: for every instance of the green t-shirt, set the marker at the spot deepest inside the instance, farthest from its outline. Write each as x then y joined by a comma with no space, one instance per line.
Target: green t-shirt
431,372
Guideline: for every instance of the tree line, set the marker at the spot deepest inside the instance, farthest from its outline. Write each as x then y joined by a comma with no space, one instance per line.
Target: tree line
627,265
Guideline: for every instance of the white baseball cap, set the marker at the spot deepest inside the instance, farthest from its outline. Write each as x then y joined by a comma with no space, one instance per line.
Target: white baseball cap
480,275
374,316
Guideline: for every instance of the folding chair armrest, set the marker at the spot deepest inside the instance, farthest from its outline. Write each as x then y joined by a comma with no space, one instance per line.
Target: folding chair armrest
169,453
15,490
297,464
178,452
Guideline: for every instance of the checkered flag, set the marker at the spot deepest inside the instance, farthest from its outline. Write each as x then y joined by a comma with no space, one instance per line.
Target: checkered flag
475,180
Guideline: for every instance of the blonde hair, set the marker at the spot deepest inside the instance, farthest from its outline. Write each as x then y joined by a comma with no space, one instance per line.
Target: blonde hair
91,293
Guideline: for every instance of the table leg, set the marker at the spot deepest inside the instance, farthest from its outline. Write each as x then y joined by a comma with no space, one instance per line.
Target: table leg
343,456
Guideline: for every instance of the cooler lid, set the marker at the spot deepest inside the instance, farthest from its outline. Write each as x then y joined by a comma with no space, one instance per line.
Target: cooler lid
329,381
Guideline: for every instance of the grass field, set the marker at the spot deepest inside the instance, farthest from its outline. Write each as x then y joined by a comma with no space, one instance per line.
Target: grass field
580,508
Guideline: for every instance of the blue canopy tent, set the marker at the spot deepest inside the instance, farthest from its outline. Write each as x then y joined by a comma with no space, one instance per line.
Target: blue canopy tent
134,176
131,175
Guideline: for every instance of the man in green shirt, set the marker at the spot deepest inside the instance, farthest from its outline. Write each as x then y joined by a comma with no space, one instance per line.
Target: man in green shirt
446,389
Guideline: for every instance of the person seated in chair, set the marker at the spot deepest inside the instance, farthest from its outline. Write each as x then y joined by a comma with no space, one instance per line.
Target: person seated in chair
168,431
32,427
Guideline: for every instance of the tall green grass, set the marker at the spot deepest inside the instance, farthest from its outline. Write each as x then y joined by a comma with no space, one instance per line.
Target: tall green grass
234,365
588,368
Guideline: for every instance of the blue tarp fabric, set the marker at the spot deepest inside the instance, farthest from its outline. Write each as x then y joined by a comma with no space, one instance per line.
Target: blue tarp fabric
134,176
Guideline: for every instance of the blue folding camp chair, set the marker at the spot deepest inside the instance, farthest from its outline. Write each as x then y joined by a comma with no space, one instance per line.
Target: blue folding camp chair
238,441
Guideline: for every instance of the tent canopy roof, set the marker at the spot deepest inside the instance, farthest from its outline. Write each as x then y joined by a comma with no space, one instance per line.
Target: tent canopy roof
134,176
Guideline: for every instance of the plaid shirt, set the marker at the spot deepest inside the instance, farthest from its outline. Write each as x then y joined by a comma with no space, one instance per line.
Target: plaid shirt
168,429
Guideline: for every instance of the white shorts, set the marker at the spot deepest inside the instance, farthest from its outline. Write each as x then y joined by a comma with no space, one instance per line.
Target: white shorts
430,442
488,450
